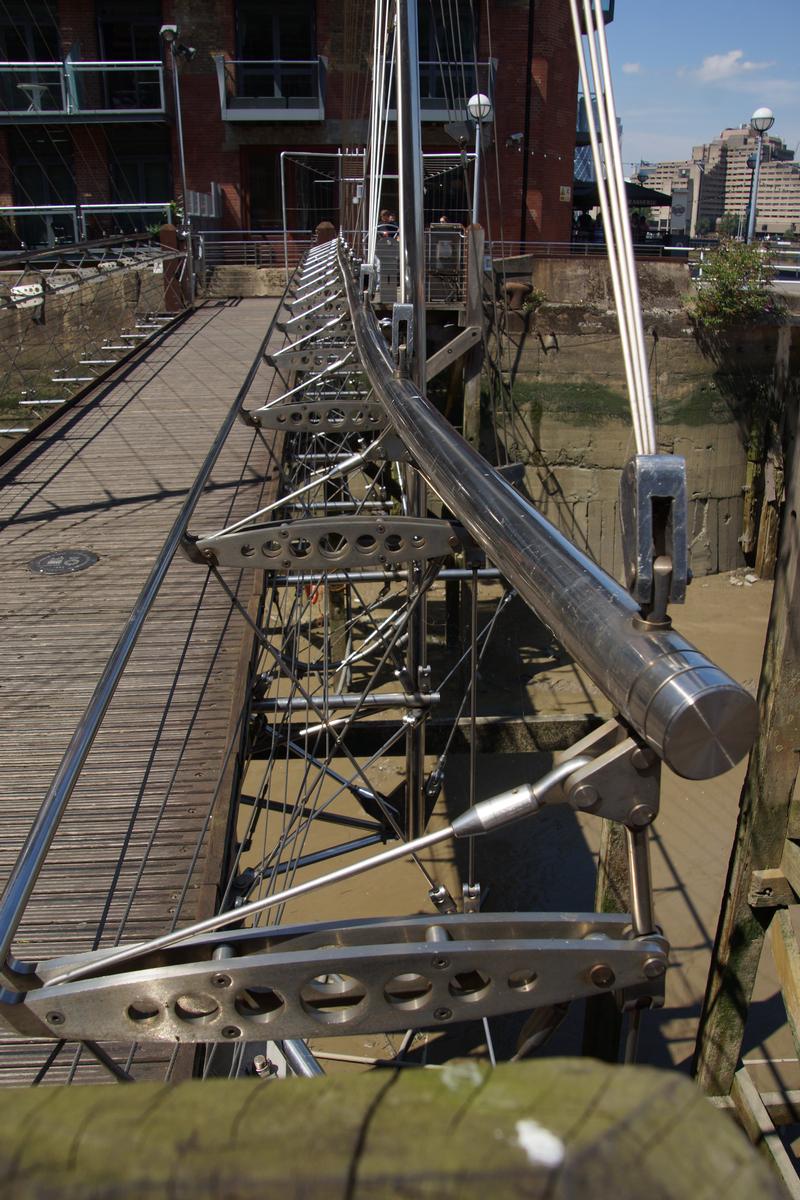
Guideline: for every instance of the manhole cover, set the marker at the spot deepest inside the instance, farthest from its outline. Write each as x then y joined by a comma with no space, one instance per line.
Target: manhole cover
62,562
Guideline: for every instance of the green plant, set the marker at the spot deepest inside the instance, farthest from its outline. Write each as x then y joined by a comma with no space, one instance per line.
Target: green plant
735,288
728,225
533,300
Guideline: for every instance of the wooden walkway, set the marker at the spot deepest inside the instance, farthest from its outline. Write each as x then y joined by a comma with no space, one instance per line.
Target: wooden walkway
131,856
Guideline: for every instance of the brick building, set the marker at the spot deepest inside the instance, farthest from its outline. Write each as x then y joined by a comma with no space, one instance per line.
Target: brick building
89,130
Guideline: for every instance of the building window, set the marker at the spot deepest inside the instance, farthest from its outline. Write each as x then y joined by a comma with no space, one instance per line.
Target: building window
127,30
140,168
276,49
43,177
447,51
29,31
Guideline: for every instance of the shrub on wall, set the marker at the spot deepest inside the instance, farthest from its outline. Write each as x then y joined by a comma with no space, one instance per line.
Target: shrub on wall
735,288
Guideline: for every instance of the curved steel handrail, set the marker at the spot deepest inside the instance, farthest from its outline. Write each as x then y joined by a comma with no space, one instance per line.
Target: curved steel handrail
698,719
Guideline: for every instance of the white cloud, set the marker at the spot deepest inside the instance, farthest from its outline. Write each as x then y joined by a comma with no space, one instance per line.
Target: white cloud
728,68
631,68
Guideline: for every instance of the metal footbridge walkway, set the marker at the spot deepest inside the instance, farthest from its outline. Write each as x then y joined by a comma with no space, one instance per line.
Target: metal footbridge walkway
262,586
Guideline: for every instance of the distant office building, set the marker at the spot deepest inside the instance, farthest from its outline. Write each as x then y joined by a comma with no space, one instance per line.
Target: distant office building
717,179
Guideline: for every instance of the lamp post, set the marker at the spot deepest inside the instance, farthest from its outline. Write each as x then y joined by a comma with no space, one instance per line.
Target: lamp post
479,108
169,36
761,120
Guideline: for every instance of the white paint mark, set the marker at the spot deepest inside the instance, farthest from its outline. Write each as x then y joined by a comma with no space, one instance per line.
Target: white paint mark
457,1075
541,1146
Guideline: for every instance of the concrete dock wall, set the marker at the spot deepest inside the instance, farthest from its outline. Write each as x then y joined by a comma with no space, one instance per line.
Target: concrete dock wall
569,420
41,340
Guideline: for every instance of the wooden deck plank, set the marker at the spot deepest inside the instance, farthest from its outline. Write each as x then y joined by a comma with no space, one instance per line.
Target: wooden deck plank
110,477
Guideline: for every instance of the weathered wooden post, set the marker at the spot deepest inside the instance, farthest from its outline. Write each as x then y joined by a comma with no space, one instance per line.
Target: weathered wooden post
764,871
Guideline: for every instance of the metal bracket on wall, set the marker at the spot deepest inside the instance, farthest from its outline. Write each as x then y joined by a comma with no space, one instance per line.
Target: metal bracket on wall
402,330
332,543
621,783
362,977
323,416
655,546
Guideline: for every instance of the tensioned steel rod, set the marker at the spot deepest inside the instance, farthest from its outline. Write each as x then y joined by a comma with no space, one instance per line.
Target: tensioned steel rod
695,716
29,861
412,291
494,813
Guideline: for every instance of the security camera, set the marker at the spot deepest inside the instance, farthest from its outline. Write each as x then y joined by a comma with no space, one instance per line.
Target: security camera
514,141
186,52
168,33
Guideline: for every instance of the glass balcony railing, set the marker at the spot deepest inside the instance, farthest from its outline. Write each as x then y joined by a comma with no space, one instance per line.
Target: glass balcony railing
445,88
271,89
40,225
32,92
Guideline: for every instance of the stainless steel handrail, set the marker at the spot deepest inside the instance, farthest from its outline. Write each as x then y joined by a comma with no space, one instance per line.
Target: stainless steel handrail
33,853
698,719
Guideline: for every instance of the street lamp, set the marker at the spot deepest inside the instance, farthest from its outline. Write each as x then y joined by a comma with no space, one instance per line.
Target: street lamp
169,36
479,108
761,120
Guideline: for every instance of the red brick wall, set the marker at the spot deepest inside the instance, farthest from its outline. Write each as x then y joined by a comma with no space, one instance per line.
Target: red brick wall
211,156
77,23
550,120
90,164
6,172
216,150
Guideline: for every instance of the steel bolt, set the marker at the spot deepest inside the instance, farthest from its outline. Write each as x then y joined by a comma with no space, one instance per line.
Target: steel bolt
643,757
653,968
441,963
221,980
231,1031
602,976
640,816
584,796
443,1014
55,1018
264,1067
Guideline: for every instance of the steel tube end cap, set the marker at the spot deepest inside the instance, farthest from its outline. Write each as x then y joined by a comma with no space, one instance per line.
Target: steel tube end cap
708,723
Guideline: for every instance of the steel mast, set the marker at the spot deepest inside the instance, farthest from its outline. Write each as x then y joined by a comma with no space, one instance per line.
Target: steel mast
412,295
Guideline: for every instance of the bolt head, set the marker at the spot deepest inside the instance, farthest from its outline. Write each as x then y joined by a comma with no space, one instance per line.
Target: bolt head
640,816
654,968
602,976
55,1018
443,1014
643,757
584,796
441,964
221,981
231,1031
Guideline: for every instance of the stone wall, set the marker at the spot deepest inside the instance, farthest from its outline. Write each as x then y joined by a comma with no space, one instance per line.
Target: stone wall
40,341
570,420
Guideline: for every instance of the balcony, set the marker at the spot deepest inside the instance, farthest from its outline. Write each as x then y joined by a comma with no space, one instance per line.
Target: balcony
271,89
445,88
41,225
34,93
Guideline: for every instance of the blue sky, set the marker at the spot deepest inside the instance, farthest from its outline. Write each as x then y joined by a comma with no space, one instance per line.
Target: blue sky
686,69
